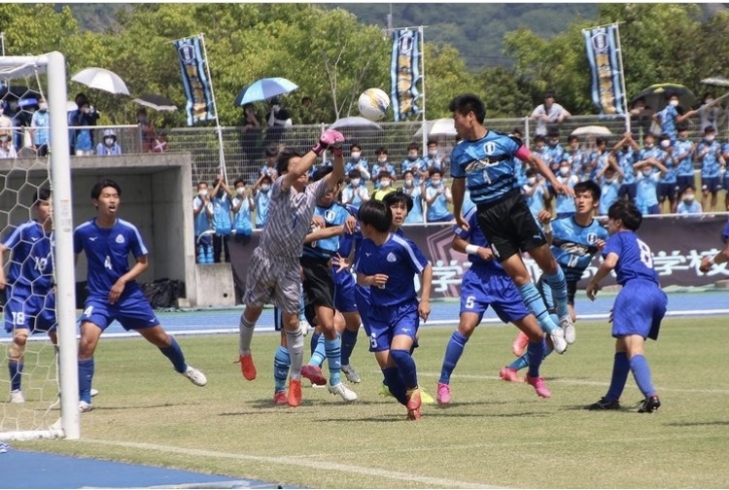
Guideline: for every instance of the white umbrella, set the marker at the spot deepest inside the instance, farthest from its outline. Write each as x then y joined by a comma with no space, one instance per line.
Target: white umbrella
592,130
101,79
71,106
716,81
438,127
354,122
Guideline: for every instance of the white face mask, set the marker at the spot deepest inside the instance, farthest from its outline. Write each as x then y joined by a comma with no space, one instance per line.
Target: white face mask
382,159
688,198
355,155
665,143
43,107
109,141
647,172
649,145
265,187
240,190
413,156
203,192
355,182
709,139
532,180
674,103
564,171
432,153
409,183
385,183
435,183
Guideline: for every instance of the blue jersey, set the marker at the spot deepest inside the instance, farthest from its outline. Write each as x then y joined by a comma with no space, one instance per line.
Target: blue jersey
670,175
351,165
475,236
202,221
31,259
577,159
414,166
668,120
635,260
710,166
347,240
416,214
725,233
221,214
574,246
488,165
626,159
334,215
682,153
556,155
565,203
536,200
262,199
107,253
646,195
398,258
382,167
242,218
608,195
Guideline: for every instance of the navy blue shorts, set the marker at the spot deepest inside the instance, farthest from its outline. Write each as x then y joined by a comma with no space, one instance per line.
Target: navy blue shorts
639,308
132,311
479,289
386,322
629,190
344,286
666,190
710,184
25,310
683,181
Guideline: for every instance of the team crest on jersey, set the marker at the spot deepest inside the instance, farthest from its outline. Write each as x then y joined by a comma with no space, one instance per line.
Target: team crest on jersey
391,257
591,238
329,216
120,238
489,148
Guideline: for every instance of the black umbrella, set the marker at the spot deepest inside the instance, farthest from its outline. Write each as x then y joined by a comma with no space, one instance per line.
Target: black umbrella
656,96
157,102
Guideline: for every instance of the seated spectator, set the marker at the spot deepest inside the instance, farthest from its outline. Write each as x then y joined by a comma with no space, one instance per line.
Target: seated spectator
548,113
269,168
109,147
688,203
437,198
383,164
385,181
355,193
415,192
517,131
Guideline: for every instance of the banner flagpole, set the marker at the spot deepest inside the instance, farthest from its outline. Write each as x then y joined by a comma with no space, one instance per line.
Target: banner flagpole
221,151
622,78
2,42
422,92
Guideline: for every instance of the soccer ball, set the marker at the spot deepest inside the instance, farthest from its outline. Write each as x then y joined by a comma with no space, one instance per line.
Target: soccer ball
373,104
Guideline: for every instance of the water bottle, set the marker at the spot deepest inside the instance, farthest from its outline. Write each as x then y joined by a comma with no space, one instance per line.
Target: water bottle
201,259
209,255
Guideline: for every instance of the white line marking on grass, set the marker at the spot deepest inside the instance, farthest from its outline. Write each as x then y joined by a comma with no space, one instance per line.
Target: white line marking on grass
578,382
289,461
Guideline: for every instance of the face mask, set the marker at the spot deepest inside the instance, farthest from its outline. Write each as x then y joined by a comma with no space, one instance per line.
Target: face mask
385,183
109,141
355,182
355,155
709,101
649,145
43,107
665,143
240,190
553,142
412,157
689,198
532,180
674,103
409,183
433,153
435,183
264,187
564,171
647,172
709,139
276,108
85,110
609,180
382,159
203,192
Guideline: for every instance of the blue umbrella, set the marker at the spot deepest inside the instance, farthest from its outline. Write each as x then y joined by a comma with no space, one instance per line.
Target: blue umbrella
263,89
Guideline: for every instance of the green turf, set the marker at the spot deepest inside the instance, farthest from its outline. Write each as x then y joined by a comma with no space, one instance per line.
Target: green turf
494,434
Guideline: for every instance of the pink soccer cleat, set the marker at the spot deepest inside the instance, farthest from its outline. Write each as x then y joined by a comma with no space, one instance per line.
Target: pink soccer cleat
519,345
313,374
539,386
443,395
510,375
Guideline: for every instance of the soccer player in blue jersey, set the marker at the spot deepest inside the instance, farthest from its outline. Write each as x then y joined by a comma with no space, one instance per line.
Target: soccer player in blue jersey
574,242
485,283
388,263
484,161
30,300
113,291
639,307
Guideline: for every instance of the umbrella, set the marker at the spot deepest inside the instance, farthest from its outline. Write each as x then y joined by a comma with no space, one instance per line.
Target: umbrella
71,106
716,81
438,127
263,89
157,102
101,79
656,95
592,131
354,122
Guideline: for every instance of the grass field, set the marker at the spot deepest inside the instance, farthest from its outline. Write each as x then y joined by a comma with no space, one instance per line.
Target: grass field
494,434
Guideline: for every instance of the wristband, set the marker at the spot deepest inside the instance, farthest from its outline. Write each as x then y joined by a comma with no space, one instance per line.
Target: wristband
472,249
547,227
319,149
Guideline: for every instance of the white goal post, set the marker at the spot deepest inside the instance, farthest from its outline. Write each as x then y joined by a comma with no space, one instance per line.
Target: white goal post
54,66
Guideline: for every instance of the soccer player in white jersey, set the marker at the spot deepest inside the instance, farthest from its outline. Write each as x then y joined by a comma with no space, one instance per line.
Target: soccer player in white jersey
274,273
113,291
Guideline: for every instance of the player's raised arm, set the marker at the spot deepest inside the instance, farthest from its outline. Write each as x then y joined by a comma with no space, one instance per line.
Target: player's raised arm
329,138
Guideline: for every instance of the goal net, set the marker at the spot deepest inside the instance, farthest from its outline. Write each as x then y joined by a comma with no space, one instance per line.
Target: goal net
38,373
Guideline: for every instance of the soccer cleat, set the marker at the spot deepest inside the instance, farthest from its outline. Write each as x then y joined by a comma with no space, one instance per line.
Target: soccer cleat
384,390
195,375
294,395
313,374
444,394
650,404
570,334
539,386
604,404
558,341
16,396
520,344
350,373
84,407
342,390
279,398
247,367
413,404
425,398
94,392
510,375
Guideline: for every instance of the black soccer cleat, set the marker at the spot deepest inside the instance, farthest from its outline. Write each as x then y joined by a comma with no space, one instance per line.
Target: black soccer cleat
604,404
650,404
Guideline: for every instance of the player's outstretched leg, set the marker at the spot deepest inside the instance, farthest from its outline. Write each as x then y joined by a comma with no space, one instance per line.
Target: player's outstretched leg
453,353
281,364
169,347
312,370
246,327
510,373
534,302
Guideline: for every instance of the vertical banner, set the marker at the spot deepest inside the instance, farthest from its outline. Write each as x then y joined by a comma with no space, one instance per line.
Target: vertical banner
200,103
603,54
405,73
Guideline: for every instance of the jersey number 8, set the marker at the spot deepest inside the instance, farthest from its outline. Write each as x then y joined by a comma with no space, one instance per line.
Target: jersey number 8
645,254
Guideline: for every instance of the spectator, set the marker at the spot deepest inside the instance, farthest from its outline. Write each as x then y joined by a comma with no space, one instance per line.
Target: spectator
262,197
109,147
540,149
712,162
269,168
688,204
548,113
683,151
626,153
671,116
554,150
415,163
385,187
307,112
250,133
383,165
356,161
149,133
438,197
535,191
517,132
41,128
640,116
83,118
576,157
277,120
416,194
709,114
22,121
725,154
650,171
434,159
243,205
598,159
609,181
468,204
202,213
565,206
667,185
355,193
7,150
6,123
222,205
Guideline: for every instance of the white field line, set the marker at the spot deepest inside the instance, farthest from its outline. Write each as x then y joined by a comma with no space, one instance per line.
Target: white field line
287,461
